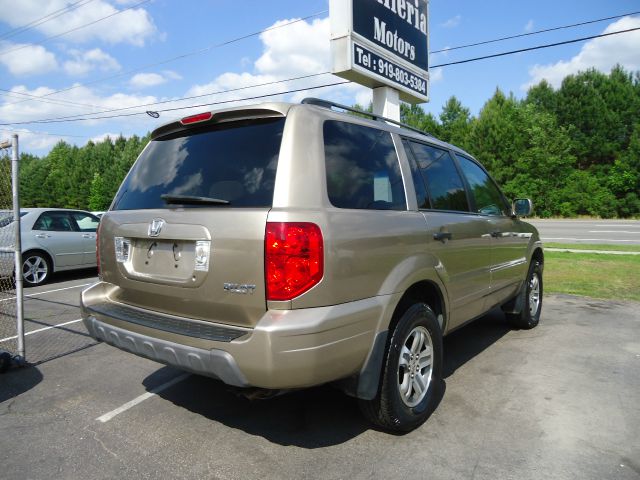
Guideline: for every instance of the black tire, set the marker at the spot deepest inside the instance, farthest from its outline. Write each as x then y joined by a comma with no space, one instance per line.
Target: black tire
36,268
529,315
389,409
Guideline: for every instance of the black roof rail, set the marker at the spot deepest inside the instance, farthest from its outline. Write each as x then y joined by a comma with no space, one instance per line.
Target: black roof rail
328,104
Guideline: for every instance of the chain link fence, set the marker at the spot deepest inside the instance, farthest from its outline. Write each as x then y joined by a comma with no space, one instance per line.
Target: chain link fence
10,305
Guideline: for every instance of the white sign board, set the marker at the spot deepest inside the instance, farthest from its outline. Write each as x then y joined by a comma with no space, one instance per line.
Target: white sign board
382,43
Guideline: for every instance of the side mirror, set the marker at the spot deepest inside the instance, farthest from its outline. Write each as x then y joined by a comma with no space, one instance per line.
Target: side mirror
522,207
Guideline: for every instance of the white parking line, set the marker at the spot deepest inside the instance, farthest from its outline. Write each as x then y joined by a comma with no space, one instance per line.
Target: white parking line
612,231
546,239
152,393
48,291
42,329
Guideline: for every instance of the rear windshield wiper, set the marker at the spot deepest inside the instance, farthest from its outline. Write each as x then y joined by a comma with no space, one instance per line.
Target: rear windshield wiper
192,200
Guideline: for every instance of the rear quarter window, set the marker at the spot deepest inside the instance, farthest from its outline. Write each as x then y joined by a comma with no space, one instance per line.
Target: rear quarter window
362,168
234,161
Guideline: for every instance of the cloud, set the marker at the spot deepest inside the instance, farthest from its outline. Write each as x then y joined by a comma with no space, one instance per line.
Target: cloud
300,48
103,136
452,22
84,62
436,75
144,80
297,50
34,141
29,60
600,53
529,26
132,26
18,111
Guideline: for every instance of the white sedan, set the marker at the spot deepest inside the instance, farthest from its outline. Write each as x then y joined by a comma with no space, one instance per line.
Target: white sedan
53,240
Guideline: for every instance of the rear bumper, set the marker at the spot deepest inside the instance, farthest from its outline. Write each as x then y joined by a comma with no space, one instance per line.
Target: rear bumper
286,349
215,363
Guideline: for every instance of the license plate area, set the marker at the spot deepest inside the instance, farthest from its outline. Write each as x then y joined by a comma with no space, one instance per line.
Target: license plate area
166,261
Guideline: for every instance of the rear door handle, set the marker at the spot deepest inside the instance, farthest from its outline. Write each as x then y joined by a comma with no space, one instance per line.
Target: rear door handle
43,235
87,235
442,236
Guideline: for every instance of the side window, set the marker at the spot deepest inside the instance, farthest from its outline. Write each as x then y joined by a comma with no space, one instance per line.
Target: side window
86,222
488,199
444,183
362,168
418,182
54,222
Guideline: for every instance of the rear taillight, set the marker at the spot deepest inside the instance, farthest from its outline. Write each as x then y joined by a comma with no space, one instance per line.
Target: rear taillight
294,259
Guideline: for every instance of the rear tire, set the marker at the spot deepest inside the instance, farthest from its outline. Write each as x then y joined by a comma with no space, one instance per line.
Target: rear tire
36,268
412,373
529,316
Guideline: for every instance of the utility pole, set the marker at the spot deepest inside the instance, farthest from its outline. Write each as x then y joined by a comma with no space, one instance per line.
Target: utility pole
15,189
19,358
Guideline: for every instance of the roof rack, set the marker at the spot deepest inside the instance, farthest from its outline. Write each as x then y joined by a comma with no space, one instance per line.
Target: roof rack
327,104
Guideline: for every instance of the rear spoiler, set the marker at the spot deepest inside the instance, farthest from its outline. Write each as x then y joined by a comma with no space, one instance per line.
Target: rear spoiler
215,118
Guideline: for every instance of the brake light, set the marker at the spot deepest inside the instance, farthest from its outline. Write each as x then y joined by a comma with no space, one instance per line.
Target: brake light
200,117
294,259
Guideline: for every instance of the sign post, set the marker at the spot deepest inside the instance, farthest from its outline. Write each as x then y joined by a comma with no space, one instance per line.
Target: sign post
382,44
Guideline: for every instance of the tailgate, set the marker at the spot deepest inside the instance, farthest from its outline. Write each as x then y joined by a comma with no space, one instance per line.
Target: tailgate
204,264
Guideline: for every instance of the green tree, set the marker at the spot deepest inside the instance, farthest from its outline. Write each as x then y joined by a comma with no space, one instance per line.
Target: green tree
455,121
98,198
416,117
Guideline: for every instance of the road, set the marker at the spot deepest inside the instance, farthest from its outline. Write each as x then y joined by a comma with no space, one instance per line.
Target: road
611,232
560,401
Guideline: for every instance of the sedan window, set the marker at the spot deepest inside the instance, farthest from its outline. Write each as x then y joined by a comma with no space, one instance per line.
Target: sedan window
54,222
85,221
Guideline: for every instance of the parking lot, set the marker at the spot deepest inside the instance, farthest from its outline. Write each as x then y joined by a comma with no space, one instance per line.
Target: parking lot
559,401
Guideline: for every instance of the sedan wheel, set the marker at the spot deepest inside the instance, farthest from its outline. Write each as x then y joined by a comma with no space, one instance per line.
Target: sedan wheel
35,269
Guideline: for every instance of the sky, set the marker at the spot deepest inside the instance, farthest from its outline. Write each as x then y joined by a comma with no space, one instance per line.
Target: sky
119,58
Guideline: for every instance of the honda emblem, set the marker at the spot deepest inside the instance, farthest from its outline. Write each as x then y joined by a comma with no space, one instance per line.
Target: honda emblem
155,227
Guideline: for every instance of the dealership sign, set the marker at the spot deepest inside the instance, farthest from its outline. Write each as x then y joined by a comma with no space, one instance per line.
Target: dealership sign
382,43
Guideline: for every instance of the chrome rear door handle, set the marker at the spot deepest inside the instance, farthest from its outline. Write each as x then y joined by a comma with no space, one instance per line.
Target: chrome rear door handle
43,235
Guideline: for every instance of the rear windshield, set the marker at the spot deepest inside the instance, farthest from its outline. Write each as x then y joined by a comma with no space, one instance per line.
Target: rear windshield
235,162
6,218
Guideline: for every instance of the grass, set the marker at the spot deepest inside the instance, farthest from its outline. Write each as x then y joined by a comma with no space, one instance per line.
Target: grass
611,277
586,246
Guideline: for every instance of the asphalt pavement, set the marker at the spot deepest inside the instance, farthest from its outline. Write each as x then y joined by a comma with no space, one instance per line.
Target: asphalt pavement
559,402
609,232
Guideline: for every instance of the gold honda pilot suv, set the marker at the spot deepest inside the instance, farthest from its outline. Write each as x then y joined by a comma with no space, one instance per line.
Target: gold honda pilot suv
281,246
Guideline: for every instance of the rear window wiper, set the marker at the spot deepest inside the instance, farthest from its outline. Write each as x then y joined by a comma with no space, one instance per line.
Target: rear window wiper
192,200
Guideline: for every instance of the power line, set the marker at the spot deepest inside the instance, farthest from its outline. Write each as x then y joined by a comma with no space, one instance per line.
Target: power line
45,19
511,52
538,47
26,132
255,97
192,97
537,32
211,47
53,101
178,57
74,29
